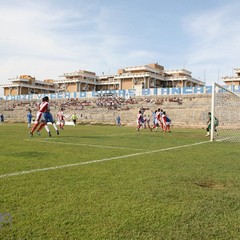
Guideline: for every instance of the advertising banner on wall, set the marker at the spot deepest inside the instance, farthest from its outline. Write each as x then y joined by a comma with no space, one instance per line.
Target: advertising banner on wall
121,93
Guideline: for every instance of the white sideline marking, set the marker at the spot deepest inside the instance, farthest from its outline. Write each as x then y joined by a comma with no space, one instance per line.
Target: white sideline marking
97,161
83,144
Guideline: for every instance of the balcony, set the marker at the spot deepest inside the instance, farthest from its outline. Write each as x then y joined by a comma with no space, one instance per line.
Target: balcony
139,75
237,70
18,80
231,79
143,68
77,80
22,85
182,71
78,75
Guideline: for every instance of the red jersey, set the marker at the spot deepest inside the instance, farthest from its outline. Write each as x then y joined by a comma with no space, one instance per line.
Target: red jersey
60,116
44,106
164,117
139,117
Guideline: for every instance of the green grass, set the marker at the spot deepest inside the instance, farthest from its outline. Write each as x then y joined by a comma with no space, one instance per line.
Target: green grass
155,191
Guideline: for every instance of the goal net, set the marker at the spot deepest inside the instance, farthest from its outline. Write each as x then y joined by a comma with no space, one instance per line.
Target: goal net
225,107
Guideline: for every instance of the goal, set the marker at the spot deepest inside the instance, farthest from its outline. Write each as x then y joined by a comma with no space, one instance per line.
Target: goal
225,107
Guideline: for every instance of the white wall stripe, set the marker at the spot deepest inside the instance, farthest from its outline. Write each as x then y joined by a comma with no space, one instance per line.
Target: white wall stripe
97,161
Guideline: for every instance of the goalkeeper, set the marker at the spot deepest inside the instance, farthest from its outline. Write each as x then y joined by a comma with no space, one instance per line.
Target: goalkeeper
216,122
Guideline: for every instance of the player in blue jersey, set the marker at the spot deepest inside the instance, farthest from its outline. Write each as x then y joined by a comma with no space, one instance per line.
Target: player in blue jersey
29,117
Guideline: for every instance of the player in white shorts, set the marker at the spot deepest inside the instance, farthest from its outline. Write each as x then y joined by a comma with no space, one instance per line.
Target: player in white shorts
166,121
43,107
139,120
61,118
157,120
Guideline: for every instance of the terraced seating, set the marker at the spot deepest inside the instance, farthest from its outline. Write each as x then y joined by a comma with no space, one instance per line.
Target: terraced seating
183,110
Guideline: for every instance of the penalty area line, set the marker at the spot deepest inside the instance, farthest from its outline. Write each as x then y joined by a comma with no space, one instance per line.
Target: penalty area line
98,160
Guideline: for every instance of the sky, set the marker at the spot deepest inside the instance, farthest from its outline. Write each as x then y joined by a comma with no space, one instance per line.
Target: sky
47,38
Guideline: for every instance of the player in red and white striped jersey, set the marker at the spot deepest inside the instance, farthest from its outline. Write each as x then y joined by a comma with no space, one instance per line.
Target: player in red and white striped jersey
166,121
157,120
139,120
43,107
61,118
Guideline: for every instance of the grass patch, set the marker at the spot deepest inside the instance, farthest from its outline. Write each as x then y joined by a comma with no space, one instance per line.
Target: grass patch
124,184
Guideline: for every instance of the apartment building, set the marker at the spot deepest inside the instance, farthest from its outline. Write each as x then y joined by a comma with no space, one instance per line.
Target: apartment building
26,84
136,77
234,80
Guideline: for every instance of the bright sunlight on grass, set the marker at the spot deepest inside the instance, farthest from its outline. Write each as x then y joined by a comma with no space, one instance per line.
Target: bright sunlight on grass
108,182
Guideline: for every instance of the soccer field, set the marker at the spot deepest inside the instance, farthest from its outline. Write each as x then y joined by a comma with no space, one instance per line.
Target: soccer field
109,182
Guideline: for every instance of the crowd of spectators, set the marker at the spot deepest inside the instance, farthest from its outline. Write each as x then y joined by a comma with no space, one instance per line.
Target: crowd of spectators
111,102
108,102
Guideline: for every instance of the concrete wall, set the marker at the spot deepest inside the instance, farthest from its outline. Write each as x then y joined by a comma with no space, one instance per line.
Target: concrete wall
184,111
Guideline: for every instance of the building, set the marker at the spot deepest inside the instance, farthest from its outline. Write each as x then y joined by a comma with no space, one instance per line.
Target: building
136,77
78,81
235,80
26,84
155,76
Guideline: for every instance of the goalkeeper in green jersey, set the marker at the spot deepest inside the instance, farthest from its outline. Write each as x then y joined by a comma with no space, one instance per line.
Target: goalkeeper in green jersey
74,119
216,122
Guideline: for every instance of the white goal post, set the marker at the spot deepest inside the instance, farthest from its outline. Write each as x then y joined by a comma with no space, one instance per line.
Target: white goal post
226,108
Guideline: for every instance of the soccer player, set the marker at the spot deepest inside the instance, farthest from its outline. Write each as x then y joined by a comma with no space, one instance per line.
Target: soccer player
216,122
166,122
2,118
43,107
74,118
153,117
148,119
49,118
61,118
157,120
29,117
160,119
118,121
139,120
